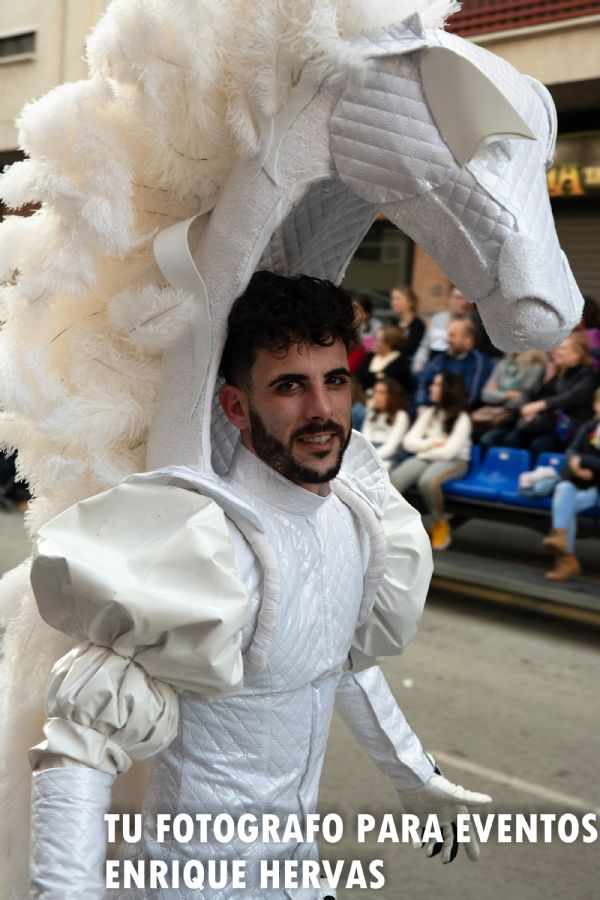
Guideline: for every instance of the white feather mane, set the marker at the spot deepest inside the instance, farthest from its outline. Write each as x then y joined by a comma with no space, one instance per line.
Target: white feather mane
148,139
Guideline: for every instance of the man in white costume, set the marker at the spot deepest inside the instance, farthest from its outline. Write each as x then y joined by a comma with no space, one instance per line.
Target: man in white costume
171,579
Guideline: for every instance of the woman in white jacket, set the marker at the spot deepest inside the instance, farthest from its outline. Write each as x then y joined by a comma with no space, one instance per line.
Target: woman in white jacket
440,440
387,422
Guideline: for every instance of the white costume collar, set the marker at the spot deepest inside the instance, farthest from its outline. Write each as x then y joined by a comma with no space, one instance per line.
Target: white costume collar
274,489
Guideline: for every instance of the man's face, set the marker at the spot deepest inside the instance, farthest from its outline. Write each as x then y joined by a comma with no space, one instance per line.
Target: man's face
295,414
458,303
457,338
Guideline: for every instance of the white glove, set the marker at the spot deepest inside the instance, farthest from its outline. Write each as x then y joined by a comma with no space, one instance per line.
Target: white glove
327,893
69,833
445,800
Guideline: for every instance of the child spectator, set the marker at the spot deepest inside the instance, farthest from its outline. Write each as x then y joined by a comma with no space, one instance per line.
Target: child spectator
440,440
386,361
388,421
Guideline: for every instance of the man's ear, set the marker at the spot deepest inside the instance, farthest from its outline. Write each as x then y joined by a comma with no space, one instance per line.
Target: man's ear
234,402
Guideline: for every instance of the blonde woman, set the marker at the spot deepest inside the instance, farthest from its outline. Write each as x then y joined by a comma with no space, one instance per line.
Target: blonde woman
549,421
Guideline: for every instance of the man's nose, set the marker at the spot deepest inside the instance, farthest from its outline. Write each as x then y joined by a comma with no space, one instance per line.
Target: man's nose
318,405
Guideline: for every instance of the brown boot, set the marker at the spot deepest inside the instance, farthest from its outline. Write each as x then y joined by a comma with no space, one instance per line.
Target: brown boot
565,567
556,541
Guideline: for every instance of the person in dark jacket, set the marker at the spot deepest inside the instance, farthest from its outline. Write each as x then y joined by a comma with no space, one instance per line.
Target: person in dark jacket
386,361
404,303
460,358
576,492
550,420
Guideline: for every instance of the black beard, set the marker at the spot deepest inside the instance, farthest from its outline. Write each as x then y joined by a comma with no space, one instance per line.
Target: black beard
281,458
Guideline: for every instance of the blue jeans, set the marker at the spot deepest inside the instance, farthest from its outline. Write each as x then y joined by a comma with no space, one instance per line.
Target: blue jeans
567,501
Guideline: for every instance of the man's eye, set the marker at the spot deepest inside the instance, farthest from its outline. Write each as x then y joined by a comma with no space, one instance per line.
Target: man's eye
338,380
286,387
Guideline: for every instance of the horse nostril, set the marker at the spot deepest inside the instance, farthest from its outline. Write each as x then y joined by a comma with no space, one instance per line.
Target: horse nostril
534,320
523,322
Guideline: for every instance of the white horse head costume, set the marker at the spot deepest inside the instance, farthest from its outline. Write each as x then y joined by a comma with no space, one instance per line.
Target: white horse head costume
283,127
449,141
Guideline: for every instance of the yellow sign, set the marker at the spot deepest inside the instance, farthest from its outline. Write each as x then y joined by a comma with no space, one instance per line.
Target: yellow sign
567,181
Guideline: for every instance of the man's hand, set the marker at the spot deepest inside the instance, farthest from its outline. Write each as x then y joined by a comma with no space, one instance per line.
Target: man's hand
445,800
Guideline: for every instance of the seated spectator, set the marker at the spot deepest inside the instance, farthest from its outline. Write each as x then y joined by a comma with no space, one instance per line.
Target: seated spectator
482,340
388,421
550,420
369,325
440,440
577,492
359,403
461,358
513,380
356,355
590,324
404,303
386,361
434,339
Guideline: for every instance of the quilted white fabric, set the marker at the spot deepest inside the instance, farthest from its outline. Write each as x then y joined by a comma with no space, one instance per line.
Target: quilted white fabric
261,751
68,807
368,143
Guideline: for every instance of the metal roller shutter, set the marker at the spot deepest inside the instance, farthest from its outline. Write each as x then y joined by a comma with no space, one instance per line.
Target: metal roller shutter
579,236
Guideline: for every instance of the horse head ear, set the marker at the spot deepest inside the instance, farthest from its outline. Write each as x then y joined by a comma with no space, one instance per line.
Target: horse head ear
396,39
467,107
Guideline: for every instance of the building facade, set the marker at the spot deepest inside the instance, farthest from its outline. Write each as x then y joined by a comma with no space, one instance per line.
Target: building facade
42,44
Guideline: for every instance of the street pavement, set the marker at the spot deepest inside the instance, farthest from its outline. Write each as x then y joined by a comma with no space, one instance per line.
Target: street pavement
509,705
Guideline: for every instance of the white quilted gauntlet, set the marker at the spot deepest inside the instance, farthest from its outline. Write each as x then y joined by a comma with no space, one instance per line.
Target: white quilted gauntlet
68,833
445,800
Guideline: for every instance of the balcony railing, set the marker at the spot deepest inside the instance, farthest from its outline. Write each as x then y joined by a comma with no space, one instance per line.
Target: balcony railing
485,16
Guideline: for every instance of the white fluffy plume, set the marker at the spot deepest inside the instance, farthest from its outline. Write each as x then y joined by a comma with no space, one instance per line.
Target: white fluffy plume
147,140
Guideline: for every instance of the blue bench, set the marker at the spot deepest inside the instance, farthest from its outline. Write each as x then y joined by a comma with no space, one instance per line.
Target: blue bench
511,495
496,480
498,473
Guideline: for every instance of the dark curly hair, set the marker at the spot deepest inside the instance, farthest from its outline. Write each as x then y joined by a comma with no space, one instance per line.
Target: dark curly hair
275,312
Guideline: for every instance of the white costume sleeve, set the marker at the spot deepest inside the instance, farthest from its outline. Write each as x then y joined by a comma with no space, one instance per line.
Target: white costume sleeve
144,575
403,588
369,709
68,833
